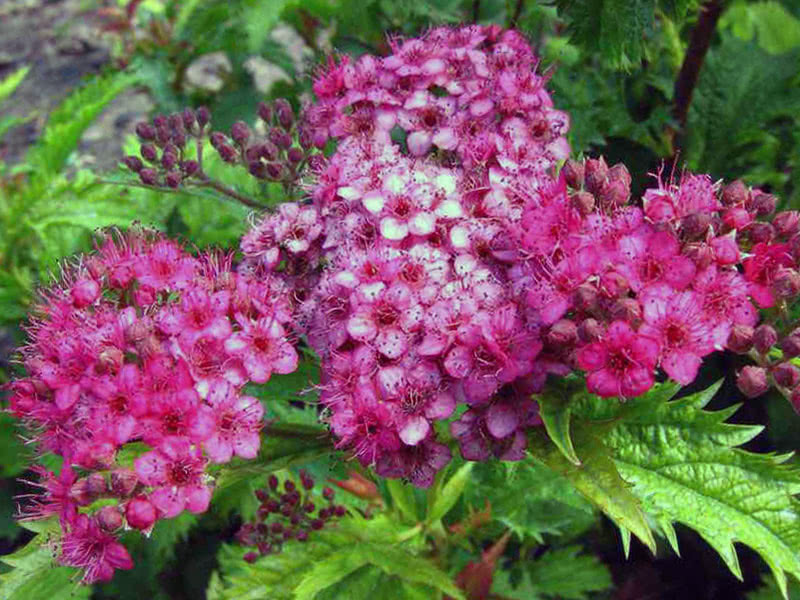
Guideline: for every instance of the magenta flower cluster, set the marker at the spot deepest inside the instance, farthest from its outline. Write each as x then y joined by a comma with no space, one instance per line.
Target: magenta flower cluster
442,259
142,350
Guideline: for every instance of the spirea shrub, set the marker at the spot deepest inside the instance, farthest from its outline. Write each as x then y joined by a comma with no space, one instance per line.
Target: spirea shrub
449,265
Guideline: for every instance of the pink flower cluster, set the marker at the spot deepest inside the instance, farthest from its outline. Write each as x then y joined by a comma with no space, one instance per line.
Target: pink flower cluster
142,351
442,259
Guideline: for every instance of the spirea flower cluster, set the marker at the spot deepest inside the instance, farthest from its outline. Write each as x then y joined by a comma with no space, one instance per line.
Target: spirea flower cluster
443,259
142,350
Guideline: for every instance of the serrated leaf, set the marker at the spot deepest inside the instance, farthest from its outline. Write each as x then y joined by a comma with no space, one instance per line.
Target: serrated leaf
66,124
403,498
34,574
446,497
682,464
597,479
566,574
555,413
324,574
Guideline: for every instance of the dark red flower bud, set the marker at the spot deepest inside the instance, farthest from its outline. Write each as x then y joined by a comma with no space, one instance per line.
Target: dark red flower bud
189,167
203,116
284,112
289,486
752,381
305,139
272,482
786,283
123,483
134,163
787,223
264,112
275,171
227,153
145,131
295,155
574,173
695,224
328,493
790,345
595,174
764,204
735,193
279,137
163,136
168,160
178,138
309,507
148,177
562,333
317,524
302,536
149,152
619,172
189,119
339,510
269,151
160,121
173,179
589,330
786,375
240,132
741,339
629,310
583,201
250,557
585,297
217,139
764,338
109,518
759,232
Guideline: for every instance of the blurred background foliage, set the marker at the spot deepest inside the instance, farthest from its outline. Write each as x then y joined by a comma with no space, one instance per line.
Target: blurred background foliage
615,65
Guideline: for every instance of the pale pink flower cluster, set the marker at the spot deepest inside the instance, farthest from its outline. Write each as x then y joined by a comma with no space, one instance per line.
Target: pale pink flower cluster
144,348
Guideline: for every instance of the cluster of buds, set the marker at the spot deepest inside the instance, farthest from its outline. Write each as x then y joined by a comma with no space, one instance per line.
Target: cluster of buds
143,344
287,512
166,157
278,155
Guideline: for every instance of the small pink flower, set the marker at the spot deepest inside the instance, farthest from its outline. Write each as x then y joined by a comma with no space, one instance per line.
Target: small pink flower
621,364
263,348
237,421
85,545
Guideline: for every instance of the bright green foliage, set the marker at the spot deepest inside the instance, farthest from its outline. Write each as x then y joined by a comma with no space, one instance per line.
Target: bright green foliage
7,87
529,499
444,497
616,29
682,465
743,113
563,573
340,561
775,28
34,574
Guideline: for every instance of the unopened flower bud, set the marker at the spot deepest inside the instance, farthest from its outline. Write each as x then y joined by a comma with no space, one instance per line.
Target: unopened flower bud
134,163
284,112
140,513
264,112
149,152
203,116
148,177
240,132
173,179
629,310
189,119
160,122
250,557
295,155
759,231
272,482
217,139
695,224
302,536
163,136
583,201
328,493
701,254
619,172
227,153
737,217
109,518
257,169
595,174
84,292
123,483
275,171
764,204
280,138
734,193
178,139
574,173
786,283
585,297
787,223
764,338
589,330
145,131
168,160
786,375
189,167
752,381
305,139
740,339
269,151
790,345
562,333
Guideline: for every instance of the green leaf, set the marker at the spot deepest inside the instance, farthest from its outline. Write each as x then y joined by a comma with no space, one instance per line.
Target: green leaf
404,498
14,457
34,574
777,29
566,574
682,464
446,497
330,571
11,82
555,412
66,124
597,479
